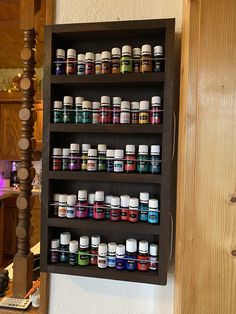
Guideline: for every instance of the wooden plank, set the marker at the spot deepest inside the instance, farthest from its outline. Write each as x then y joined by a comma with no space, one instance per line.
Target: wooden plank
206,220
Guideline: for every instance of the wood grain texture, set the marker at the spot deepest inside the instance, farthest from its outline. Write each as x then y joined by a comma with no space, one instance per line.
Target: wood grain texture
206,218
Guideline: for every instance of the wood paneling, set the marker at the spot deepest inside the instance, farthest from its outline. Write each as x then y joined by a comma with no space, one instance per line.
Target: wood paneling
206,211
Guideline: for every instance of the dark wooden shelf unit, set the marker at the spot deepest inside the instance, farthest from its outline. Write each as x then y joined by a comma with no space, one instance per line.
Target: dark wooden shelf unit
97,37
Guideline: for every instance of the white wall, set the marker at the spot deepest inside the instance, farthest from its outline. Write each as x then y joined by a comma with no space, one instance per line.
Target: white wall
70,294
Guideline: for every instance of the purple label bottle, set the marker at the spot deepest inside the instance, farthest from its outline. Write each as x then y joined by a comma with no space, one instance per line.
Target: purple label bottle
120,255
82,206
74,163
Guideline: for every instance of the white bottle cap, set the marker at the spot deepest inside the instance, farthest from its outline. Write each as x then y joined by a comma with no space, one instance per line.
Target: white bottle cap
92,152
110,153
82,195
135,105
108,199
153,204
63,198
119,153
116,100
55,243
99,196
155,149
86,104
79,100
56,152
144,197
115,52
146,49
71,53
102,148
95,240
136,52
91,198
143,247
56,197
106,56
95,105
98,57
125,105
102,249
84,242
153,249
65,152
68,100
156,101
143,149
73,246
115,201
57,104
105,101
158,51
89,56
81,58
133,203
71,199
130,149
144,105
65,238
85,148
124,201
112,248
126,50
120,250
74,147
60,53
131,245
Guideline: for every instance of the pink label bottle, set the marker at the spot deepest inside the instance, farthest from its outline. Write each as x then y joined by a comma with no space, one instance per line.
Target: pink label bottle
99,206
82,205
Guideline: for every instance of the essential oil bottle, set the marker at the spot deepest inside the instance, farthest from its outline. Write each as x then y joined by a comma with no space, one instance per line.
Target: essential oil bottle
65,238
71,206
120,255
131,254
108,206
82,206
143,256
83,254
153,255
133,209
143,206
124,204
95,241
84,157
73,249
99,206
115,208
102,164
91,198
111,258
54,252
102,255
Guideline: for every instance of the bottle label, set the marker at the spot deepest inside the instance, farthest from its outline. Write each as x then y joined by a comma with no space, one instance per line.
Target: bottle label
135,118
92,165
146,64
143,117
89,68
67,116
130,164
74,164
111,261
56,164
86,117
105,115
72,259
155,165
126,65
102,163
130,263
60,68
95,117
143,264
124,214
83,259
143,212
115,214
78,115
65,164
110,165
125,117
116,116
71,212
82,212
98,211
57,116
155,116
153,217
133,215
80,69
93,258
118,166
61,211
70,67
143,164
153,263
136,66
120,263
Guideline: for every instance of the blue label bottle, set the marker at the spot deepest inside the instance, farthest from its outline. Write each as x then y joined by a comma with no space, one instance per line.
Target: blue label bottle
143,206
153,214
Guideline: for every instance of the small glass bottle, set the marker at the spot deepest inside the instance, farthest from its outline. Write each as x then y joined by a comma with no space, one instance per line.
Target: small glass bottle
131,254
106,62
65,159
54,252
92,164
146,59
153,215
126,64
143,206
65,238
71,206
143,256
55,204
120,255
144,112
143,159
60,62
84,157
73,249
57,111
111,258
71,62
74,163
82,205
158,59
119,160
133,209
102,255
155,164
98,63
125,112
124,204
68,109
115,208
116,110
102,149
78,109
81,64
56,159
95,241
62,205
89,63
136,60
99,206
135,112
86,112
95,112
115,60
130,158
156,113
91,198
153,254
107,206
105,110
83,254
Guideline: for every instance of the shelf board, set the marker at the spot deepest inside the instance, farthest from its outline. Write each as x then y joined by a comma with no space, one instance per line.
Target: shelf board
110,79
150,277
106,177
106,128
105,225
